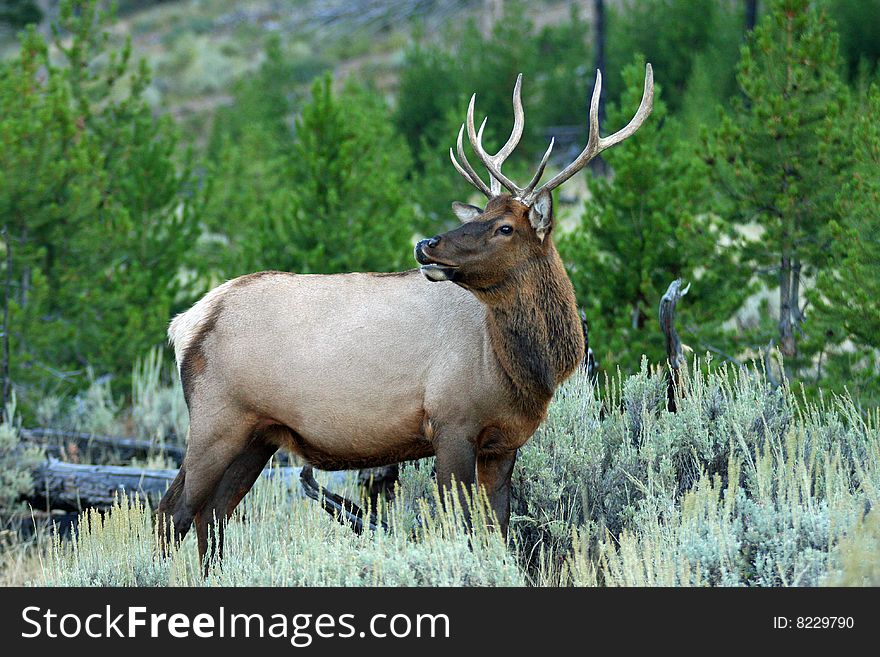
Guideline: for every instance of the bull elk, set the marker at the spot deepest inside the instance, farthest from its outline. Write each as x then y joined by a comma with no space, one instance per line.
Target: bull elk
457,359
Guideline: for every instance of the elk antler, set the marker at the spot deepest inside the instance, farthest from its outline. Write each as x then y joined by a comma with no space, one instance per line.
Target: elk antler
496,178
595,144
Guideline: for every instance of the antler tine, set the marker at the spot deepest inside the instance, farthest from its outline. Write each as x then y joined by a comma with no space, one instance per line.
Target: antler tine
596,144
493,162
645,108
468,171
527,194
519,122
494,185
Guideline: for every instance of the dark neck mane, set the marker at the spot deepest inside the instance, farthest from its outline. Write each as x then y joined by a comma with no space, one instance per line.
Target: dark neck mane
535,331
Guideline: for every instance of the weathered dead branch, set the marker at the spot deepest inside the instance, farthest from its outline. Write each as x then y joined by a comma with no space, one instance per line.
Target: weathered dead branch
674,352
344,511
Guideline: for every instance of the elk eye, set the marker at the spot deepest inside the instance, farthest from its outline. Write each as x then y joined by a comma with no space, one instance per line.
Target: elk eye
504,230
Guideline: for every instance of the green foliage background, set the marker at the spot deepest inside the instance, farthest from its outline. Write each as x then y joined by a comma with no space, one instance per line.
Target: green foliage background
758,165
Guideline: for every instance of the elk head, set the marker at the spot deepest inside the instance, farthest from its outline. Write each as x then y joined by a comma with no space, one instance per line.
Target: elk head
496,243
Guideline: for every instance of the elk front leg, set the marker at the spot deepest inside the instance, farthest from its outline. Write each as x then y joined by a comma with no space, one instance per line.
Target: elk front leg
493,473
456,459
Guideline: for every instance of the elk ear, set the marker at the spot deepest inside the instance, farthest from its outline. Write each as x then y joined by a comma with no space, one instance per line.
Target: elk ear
466,212
541,214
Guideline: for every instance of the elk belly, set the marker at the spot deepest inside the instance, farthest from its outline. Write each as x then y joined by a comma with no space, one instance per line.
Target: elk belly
346,363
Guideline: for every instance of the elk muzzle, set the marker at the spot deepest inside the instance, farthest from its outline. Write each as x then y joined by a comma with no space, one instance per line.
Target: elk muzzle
433,269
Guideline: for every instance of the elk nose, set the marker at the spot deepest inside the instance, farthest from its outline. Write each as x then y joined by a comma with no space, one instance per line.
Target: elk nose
434,241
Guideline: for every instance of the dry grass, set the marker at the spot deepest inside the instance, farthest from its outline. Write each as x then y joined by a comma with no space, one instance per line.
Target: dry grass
746,485
21,561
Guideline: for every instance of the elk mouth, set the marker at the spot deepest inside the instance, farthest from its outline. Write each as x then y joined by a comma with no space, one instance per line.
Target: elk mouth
434,270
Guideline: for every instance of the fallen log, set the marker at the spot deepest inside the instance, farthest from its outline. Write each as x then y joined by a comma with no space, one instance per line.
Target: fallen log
55,441
74,487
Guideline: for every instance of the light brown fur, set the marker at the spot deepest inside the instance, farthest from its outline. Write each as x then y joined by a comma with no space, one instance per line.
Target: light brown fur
359,370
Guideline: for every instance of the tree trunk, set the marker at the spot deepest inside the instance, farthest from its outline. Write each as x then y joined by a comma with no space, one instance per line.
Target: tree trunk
598,165
23,293
751,14
797,316
7,290
635,316
787,343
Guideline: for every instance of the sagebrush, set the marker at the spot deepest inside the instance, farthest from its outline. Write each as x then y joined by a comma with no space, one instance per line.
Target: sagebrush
745,485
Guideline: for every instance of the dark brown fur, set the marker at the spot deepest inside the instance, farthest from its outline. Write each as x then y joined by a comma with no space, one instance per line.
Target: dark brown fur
238,479
536,336
416,447
172,502
382,274
195,359
533,321
247,279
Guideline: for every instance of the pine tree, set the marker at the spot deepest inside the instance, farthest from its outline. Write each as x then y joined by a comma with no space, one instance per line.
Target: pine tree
93,199
428,87
263,103
641,229
857,24
344,204
48,189
245,165
673,35
852,284
847,294
122,281
778,158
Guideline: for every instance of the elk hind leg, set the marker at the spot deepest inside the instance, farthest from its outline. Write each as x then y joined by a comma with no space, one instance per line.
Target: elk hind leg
215,442
235,483
172,519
